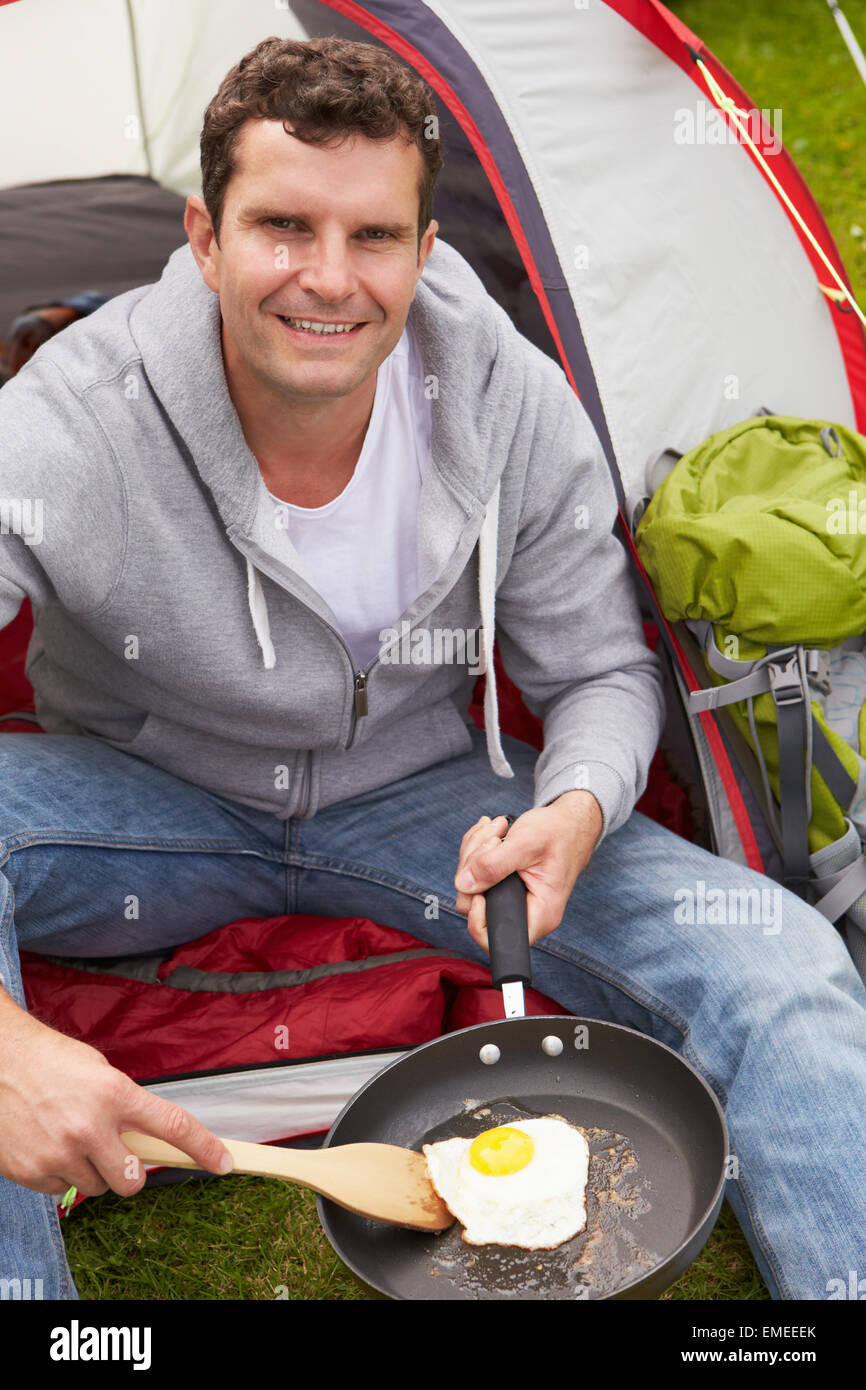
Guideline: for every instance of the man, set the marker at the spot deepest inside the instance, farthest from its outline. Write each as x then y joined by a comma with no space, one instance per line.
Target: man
315,436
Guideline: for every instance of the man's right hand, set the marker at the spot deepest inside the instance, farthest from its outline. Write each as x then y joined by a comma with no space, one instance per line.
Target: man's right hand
63,1108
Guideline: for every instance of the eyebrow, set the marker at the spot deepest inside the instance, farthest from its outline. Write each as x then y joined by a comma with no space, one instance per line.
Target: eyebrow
264,212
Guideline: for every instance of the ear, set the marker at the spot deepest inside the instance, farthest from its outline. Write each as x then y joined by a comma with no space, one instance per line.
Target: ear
426,246
199,230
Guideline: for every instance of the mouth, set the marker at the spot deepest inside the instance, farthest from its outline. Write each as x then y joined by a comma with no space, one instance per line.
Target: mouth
312,330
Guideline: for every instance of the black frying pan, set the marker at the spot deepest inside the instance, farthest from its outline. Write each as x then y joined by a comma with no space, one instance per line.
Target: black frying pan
657,1137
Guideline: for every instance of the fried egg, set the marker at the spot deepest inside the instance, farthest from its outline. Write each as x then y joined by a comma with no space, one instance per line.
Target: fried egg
519,1184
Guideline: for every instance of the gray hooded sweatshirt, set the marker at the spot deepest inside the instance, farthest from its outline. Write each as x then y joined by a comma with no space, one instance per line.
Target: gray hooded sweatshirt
171,623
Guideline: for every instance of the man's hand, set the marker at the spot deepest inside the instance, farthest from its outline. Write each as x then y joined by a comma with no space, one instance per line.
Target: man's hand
548,846
63,1108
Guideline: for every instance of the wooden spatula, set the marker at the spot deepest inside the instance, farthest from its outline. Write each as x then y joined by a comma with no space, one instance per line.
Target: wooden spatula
381,1181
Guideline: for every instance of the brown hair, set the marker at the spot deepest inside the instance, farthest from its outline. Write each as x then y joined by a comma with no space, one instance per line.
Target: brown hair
325,89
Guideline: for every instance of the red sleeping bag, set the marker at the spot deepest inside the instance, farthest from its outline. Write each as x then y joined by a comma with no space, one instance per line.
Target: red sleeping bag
401,992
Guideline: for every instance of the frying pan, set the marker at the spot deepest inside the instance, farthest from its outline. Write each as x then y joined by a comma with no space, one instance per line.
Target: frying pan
656,1132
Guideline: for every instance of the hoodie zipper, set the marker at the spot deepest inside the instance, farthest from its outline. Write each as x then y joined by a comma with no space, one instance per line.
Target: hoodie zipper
359,700
359,709
360,680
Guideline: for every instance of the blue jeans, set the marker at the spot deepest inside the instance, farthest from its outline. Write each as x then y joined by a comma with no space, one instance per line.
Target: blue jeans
772,1012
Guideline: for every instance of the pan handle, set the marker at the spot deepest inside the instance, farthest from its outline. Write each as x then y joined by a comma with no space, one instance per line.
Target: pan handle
508,930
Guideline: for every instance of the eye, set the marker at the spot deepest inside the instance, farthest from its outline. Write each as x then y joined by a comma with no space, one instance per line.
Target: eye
373,233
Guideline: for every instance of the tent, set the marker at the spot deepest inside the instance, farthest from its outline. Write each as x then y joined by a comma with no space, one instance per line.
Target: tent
596,178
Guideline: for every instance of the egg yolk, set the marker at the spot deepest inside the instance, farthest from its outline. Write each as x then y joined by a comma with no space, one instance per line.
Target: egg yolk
500,1151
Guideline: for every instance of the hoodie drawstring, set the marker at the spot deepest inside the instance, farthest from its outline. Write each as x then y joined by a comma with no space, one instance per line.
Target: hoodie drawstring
487,598
259,615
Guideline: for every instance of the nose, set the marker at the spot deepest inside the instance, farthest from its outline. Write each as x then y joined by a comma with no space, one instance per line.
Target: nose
327,272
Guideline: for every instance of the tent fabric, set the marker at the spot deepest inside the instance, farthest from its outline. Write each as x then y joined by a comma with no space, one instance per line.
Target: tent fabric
269,1103
117,233
669,282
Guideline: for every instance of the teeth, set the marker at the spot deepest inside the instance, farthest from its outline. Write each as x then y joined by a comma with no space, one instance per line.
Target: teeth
320,328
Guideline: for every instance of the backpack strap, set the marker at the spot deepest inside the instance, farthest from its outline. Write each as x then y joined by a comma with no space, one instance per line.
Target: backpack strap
786,673
745,678
840,889
757,682
790,826
831,768
789,692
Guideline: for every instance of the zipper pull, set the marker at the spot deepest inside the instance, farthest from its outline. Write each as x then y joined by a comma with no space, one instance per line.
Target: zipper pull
360,694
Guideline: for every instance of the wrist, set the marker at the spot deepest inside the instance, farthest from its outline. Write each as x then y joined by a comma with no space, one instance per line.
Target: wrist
16,1024
584,809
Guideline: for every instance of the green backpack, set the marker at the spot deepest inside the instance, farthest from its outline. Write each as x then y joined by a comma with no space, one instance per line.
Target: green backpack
756,540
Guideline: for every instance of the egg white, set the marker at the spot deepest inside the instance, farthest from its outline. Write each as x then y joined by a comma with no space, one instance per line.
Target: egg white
536,1208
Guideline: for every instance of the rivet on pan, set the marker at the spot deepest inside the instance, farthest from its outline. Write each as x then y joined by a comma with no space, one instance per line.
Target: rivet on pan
552,1045
489,1054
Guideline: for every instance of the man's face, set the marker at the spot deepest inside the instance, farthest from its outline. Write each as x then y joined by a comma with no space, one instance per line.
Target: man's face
315,233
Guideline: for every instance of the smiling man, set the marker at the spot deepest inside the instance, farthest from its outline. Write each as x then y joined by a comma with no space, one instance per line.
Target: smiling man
313,441
314,294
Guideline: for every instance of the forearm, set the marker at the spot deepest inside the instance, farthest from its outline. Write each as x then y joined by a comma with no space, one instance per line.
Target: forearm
600,739
570,633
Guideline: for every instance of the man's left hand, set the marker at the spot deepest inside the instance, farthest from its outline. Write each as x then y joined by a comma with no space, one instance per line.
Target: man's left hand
548,846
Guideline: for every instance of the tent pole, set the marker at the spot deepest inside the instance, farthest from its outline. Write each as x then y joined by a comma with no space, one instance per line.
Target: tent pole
141,121
851,43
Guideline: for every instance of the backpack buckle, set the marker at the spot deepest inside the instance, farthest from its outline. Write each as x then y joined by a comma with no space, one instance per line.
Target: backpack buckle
786,685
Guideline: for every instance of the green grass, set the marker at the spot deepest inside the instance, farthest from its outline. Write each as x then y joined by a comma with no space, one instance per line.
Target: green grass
725,1267
245,1237
232,1238
249,1238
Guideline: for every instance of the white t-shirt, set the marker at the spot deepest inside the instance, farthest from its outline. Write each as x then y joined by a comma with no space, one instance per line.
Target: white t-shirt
360,549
